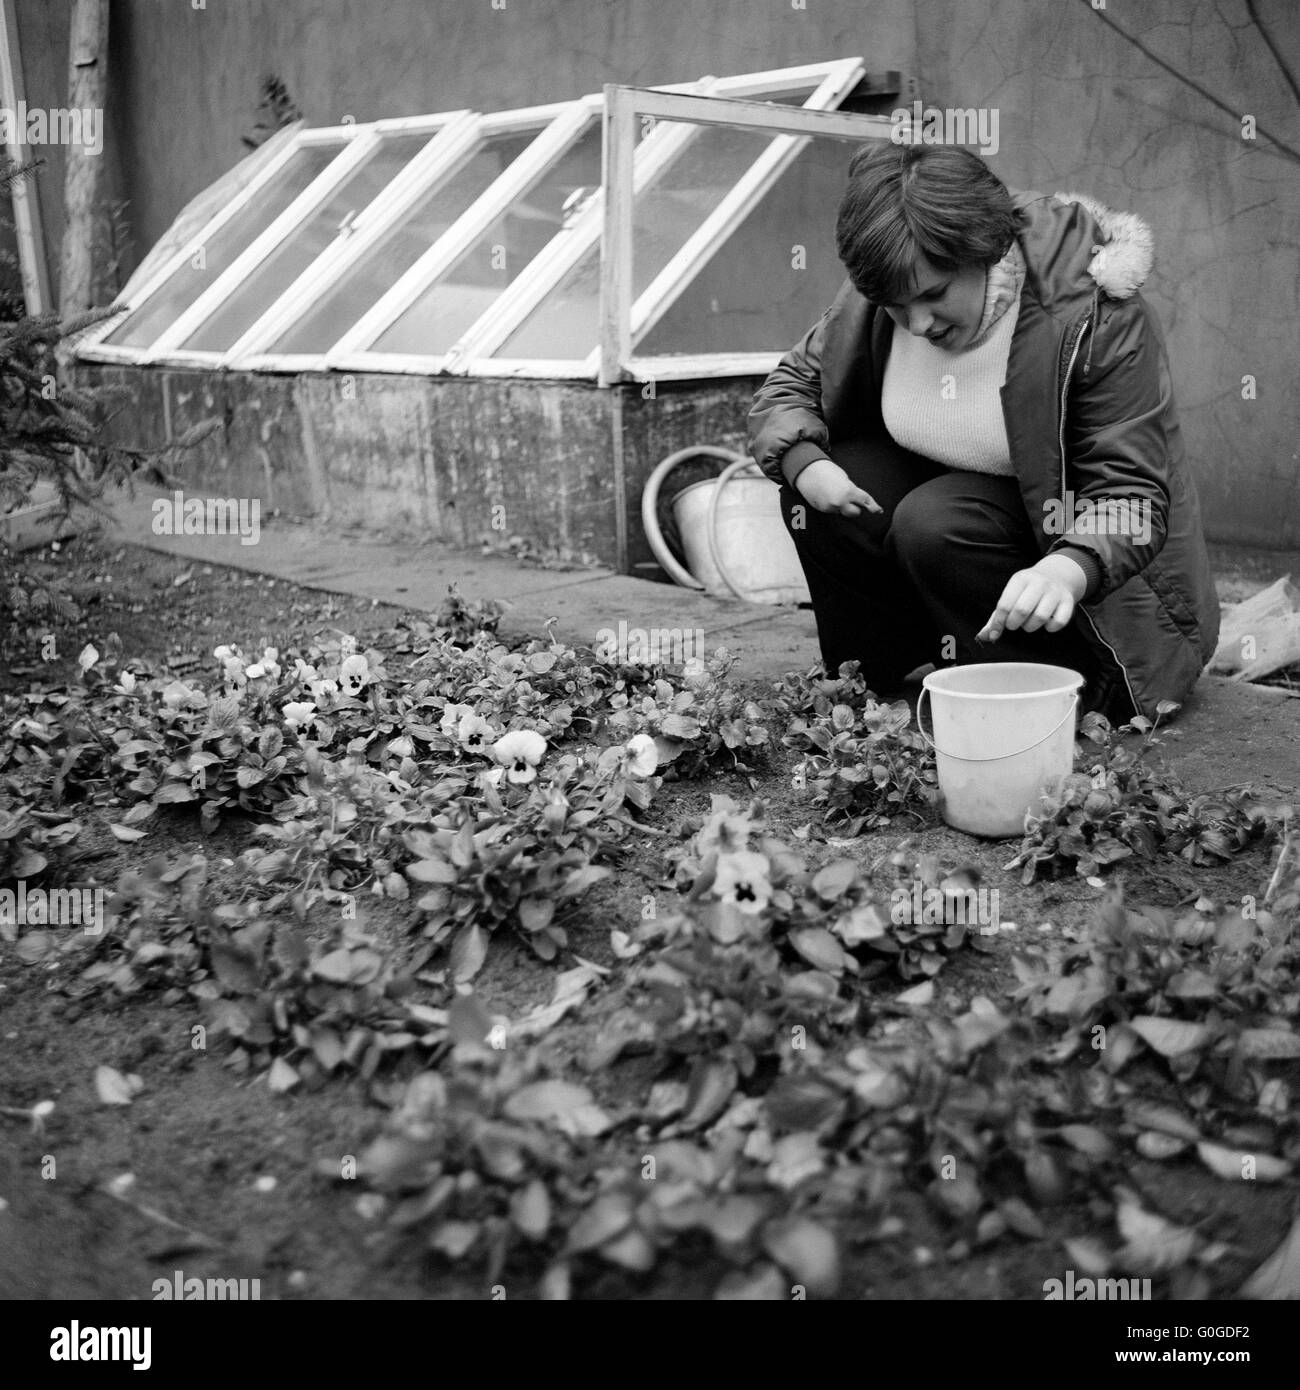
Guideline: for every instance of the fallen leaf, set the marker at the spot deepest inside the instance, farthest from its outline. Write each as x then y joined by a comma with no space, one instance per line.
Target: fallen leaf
1022,1218
282,1076
454,1238
1154,1145
236,969
468,953
608,1216
112,1087
560,1103
795,1158
1279,1276
1149,1115
803,1101
835,879
1170,1037
632,1250
1089,1254
807,1251
1236,1165
1269,1043
33,947
711,1083
820,949
1152,1244
571,988
1089,1140
530,1209
766,1284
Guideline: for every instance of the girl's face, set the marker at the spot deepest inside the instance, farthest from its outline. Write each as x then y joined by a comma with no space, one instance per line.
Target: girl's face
945,307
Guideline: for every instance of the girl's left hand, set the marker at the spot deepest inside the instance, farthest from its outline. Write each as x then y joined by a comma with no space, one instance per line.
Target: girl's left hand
1042,596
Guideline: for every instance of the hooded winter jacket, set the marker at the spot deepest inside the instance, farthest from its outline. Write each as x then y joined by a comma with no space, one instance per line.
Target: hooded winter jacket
1090,420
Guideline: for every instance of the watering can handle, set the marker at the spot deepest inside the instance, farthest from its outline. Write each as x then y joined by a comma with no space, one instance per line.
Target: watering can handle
742,464
925,690
649,500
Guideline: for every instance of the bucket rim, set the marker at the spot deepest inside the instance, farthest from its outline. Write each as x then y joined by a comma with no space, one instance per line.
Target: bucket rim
933,681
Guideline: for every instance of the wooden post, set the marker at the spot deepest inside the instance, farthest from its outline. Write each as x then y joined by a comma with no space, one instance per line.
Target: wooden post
617,156
27,215
87,88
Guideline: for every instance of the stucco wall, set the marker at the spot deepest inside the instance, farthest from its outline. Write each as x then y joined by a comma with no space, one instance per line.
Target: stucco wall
1083,110
1078,108
188,79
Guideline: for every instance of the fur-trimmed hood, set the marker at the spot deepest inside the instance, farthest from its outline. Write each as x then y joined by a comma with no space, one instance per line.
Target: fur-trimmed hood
1078,249
1122,260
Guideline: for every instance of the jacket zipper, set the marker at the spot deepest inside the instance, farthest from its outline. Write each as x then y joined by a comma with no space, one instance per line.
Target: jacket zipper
1065,386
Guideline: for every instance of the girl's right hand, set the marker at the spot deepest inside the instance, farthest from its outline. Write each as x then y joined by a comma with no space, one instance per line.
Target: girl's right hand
827,487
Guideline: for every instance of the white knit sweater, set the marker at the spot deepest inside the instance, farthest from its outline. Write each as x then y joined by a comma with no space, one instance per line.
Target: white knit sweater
946,406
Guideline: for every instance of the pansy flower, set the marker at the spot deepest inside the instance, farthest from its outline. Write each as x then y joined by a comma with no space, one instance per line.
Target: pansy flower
519,752
299,713
742,880
452,714
353,675
640,756
475,733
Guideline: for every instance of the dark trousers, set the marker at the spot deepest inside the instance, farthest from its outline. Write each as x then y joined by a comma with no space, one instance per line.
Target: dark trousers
913,585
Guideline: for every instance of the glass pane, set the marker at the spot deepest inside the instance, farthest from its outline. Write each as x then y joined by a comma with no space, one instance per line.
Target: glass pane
565,325
187,282
758,293
232,319
442,313
401,246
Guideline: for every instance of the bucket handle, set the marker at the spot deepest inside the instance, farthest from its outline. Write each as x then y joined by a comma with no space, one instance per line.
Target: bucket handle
925,690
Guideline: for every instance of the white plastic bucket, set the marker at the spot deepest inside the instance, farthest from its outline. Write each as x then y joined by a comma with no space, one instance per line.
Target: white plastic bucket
1002,732
752,543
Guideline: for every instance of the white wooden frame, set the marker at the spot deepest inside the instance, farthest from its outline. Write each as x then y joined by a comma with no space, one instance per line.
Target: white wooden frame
604,220
625,323
471,355
636,168
443,130
93,349
562,123
354,352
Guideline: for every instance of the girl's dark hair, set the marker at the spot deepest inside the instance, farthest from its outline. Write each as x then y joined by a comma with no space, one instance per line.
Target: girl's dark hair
906,201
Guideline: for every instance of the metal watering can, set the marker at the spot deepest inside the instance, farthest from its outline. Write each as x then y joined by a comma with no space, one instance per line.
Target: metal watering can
736,545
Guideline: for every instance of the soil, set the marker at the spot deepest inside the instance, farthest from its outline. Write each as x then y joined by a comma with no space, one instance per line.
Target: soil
202,1140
